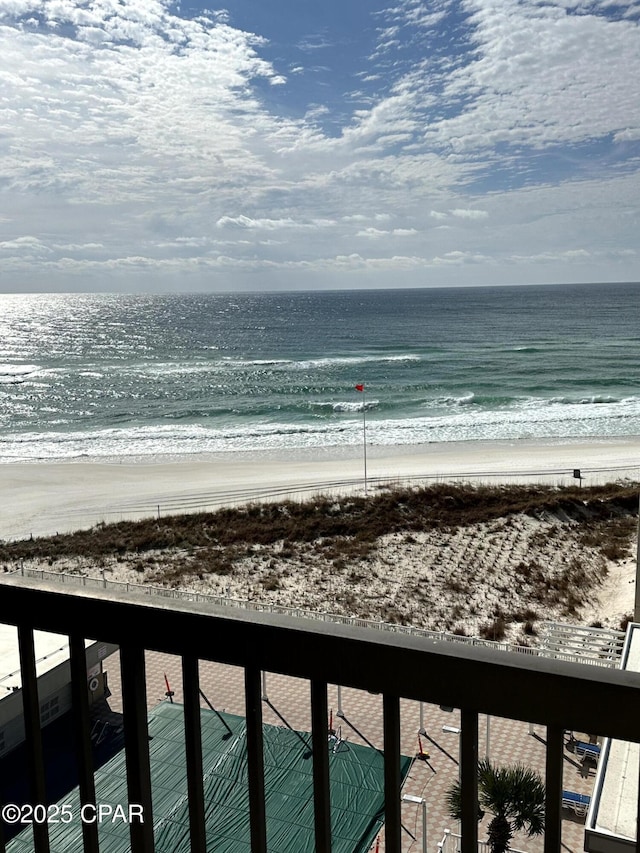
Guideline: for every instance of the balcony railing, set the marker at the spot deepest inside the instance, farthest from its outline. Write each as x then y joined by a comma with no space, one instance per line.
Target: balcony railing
556,694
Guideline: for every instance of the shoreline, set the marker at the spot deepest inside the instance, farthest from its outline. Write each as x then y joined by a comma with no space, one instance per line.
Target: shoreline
45,497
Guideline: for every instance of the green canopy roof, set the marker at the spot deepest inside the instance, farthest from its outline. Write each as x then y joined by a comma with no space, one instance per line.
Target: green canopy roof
356,782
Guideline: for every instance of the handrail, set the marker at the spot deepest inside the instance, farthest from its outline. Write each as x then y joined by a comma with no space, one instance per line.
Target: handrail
551,691
477,680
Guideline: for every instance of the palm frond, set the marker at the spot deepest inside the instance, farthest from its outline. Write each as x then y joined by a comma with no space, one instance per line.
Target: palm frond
514,795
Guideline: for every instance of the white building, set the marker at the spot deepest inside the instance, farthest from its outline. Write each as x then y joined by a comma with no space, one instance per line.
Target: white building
54,680
611,823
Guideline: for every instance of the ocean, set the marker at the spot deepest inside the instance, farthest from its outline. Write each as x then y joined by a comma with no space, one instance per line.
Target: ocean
113,376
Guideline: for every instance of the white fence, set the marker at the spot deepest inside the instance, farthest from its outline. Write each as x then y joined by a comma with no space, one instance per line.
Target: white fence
451,844
611,661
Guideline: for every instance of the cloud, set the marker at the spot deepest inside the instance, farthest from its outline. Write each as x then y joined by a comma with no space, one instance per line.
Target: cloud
542,74
163,92
246,222
458,258
270,224
453,133
465,213
373,233
27,246
376,233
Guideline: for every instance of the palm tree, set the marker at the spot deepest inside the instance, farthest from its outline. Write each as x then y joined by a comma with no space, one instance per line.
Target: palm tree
514,795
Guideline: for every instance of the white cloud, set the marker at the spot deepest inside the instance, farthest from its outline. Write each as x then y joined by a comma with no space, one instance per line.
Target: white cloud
27,246
78,247
542,76
376,233
458,258
373,233
468,213
270,224
246,222
134,138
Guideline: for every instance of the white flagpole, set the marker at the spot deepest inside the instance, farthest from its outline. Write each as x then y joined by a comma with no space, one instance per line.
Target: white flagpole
360,388
364,437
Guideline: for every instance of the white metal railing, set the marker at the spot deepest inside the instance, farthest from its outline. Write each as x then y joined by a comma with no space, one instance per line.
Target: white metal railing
336,618
451,844
586,641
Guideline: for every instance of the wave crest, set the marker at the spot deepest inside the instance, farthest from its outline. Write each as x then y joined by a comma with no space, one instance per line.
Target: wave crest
347,406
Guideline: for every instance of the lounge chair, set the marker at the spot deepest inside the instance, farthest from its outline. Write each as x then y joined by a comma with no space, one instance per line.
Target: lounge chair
587,750
578,803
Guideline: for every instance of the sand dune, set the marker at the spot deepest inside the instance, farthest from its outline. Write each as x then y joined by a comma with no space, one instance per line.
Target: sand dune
497,577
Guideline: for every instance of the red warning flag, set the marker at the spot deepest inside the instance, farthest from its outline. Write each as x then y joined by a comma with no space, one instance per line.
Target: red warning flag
359,387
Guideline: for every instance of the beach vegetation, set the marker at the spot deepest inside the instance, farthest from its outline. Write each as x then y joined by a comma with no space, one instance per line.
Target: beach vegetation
392,615
494,630
456,585
487,558
361,520
624,622
514,795
525,615
271,582
611,537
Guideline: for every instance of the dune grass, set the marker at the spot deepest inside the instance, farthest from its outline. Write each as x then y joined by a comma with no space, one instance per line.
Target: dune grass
348,554
350,525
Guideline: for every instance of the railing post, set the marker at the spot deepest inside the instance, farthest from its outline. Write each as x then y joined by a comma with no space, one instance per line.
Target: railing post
392,781
321,790
444,844
193,744
469,780
425,846
82,730
488,740
553,785
410,798
136,742
31,709
255,758
638,816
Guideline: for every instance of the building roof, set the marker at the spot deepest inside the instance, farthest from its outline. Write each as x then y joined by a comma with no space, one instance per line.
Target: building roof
357,790
51,650
613,811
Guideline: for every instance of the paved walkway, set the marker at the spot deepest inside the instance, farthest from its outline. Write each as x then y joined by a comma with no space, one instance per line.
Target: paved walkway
289,703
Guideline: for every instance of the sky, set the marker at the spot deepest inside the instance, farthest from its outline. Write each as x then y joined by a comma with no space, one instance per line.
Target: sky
278,144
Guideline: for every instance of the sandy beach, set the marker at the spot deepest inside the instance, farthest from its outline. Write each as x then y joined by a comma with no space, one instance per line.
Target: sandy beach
459,579
42,498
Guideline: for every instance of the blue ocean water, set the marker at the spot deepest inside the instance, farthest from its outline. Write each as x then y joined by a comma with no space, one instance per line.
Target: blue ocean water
120,376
